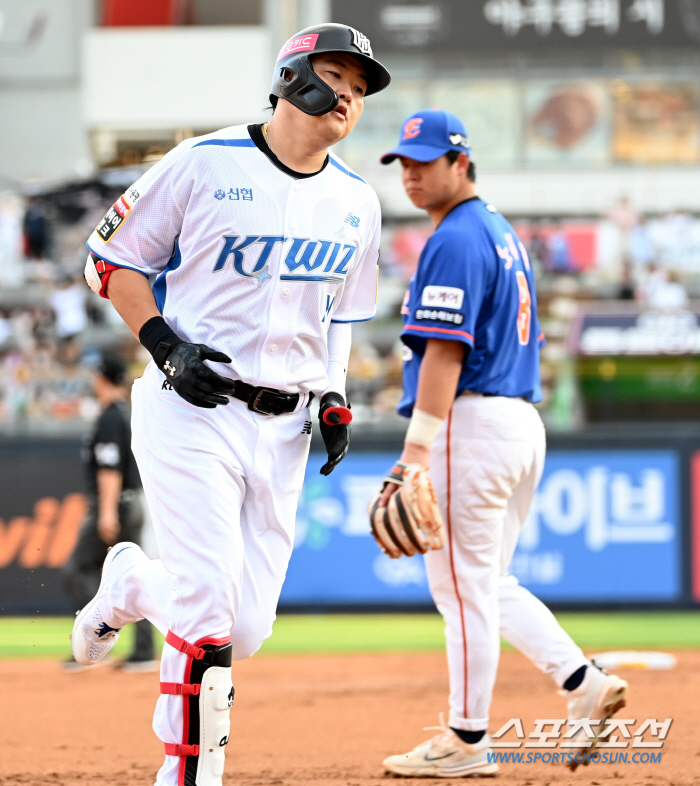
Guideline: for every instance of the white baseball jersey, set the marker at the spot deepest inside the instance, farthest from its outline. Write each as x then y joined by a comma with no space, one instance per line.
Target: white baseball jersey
250,258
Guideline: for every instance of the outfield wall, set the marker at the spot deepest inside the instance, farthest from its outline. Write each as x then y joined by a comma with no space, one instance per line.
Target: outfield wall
615,521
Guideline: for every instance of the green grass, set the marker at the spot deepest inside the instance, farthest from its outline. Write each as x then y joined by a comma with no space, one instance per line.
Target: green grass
47,637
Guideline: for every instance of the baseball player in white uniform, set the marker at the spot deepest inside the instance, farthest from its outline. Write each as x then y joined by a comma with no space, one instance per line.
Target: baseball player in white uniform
471,376
264,249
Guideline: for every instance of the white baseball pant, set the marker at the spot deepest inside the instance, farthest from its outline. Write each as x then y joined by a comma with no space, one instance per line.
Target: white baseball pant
485,464
222,486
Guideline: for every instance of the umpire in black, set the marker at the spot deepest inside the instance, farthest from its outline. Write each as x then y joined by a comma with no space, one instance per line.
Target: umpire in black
116,512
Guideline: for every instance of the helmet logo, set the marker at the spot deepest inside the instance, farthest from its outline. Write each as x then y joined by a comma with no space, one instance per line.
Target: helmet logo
412,128
361,42
304,43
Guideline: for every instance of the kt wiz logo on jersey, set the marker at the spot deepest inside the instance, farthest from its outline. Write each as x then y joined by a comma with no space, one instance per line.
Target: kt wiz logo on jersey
302,259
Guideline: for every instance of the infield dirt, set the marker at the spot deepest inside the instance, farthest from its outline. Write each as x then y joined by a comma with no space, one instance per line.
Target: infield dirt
321,721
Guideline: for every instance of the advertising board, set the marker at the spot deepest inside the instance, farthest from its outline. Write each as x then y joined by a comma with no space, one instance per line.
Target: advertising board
604,528
522,24
41,509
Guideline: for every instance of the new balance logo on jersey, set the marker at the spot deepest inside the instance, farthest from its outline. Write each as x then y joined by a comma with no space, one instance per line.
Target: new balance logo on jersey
307,427
302,260
132,195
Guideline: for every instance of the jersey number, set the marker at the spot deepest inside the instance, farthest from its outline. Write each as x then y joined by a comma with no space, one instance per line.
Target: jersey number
524,309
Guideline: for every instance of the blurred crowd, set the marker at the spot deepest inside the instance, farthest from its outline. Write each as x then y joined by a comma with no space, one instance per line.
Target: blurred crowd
52,328
623,258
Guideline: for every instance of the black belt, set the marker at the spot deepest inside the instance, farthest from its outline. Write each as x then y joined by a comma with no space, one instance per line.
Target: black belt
267,401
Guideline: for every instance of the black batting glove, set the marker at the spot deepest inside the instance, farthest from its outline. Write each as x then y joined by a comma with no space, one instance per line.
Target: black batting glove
334,418
183,365
192,380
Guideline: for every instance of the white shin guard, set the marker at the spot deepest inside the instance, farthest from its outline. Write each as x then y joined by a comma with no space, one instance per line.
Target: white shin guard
207,695
215,702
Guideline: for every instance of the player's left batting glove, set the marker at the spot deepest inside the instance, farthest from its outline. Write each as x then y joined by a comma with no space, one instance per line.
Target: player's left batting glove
334,417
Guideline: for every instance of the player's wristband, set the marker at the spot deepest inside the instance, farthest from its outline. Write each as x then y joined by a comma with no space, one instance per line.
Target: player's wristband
159,339
423,428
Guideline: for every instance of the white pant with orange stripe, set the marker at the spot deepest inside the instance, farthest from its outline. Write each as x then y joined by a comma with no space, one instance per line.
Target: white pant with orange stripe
485,465
222,487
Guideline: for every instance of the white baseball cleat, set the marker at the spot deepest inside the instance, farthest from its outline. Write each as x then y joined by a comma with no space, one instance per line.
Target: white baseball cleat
92,637
598,697
444,756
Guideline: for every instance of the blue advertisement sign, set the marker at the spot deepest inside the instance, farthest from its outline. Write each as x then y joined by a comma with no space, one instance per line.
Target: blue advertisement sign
335,559
604,527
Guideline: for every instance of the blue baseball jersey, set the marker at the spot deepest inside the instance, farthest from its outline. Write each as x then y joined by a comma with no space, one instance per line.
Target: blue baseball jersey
474,284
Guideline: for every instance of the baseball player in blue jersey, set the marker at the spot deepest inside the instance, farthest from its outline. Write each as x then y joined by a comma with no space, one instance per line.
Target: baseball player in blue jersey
264,248
471,376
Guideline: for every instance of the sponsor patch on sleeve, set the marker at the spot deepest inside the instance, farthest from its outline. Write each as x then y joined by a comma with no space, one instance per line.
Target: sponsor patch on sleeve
438,315
115,216
442,297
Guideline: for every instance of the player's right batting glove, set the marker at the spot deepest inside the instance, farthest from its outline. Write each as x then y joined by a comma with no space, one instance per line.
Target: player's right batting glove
185,370
183,365
334,417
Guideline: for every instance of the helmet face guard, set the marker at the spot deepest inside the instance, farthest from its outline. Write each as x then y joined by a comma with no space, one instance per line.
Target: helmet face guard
306,90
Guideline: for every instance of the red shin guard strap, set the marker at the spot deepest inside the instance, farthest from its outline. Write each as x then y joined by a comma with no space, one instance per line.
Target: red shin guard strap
184,646
173,749
180,689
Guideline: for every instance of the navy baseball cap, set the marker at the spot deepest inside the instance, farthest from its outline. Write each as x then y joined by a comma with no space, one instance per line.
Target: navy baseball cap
429,134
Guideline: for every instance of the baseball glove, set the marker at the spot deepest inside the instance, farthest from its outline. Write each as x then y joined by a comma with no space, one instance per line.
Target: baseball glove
411,522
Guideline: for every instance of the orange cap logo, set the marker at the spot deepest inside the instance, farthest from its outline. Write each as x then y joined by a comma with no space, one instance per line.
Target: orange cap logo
412,128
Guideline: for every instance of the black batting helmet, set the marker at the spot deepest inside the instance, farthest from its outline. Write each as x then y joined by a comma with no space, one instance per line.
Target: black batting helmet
294,78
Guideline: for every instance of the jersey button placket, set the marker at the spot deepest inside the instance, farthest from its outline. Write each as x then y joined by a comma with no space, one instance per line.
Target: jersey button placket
299,217
281,330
